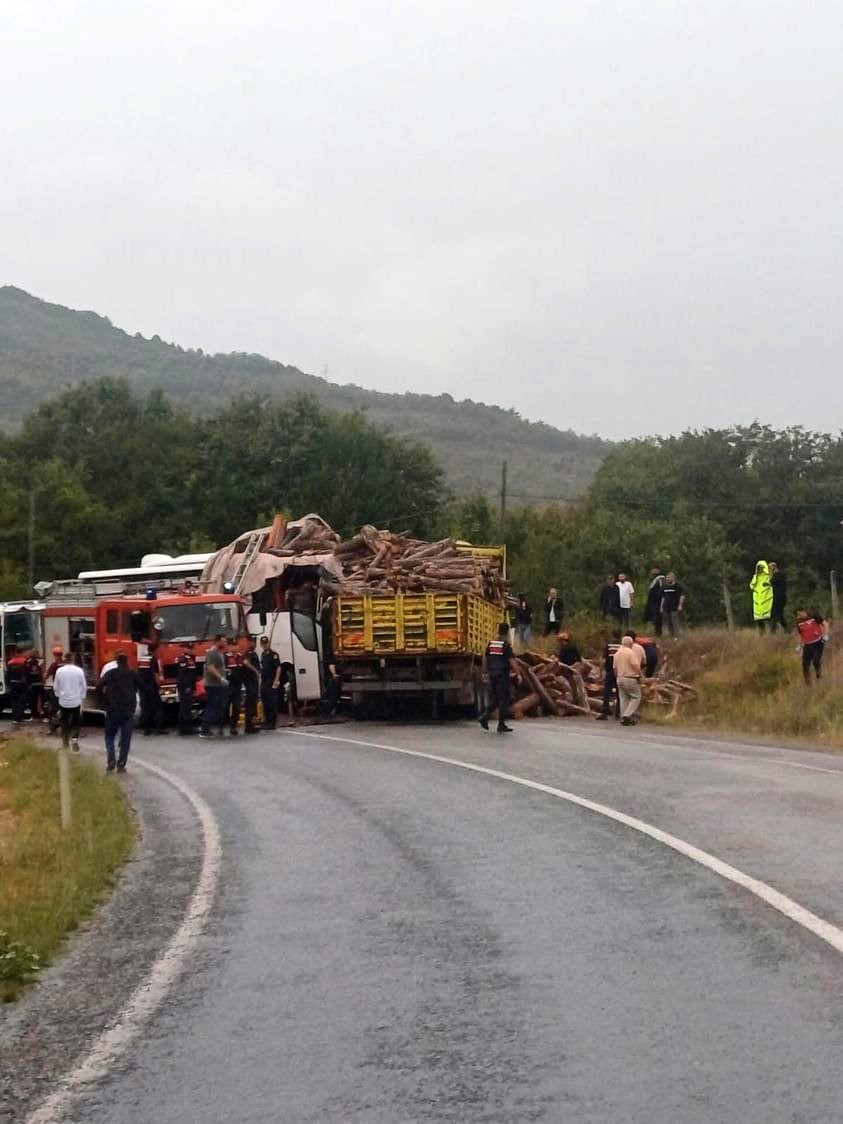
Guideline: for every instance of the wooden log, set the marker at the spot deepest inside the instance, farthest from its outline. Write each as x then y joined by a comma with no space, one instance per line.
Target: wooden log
537,687
525,705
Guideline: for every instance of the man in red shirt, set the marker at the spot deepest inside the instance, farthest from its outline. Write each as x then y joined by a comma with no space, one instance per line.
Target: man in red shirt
813,632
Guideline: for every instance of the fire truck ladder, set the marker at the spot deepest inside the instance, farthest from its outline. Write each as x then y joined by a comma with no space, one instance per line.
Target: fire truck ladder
249,554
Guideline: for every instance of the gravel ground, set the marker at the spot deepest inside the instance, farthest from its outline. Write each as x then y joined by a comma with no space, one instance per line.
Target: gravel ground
395,940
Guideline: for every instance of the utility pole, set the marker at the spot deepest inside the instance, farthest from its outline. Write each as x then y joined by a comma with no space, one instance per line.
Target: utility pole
835,608
727,605
503,495
31,554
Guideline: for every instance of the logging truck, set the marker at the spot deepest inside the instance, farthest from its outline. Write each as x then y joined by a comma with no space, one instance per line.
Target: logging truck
427,645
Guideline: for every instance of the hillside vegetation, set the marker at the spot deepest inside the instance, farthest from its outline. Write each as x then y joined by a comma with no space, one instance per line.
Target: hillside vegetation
46,348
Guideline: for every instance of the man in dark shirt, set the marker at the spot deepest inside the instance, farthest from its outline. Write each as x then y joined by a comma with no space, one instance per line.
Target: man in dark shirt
270,682
609,601
673,603
569,653
151,677
251,684
186,675
118,689
609,683
499,660
653,608
778,582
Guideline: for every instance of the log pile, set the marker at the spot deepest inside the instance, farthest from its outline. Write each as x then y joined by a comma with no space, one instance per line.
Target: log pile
550,688
376,562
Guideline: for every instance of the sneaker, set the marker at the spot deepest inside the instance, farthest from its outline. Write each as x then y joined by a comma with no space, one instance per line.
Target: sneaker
74,744
110,768
121,768
233,733
626,722
484,723
207,737
505,729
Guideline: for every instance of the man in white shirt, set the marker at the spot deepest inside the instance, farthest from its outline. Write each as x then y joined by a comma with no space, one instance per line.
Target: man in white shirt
70,689
626,595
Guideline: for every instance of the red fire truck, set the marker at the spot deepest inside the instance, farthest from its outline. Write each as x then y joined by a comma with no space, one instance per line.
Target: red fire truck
94,624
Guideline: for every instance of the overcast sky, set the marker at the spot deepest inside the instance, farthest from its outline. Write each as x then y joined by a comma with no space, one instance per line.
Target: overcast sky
622,217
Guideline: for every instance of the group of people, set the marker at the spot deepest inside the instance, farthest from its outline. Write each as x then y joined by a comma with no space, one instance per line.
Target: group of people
664,604
51,694
522,618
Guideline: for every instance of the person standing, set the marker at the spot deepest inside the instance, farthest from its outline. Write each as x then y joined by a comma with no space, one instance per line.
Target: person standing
216,689
609,681
653,607
70,688
18,684
499,661
553,609
673,603
762,596
609,602
251,684
186,675
331,678
629,662
626,599
236,671
778,583
270,682
813,633
523,620
35,684
150,677
651,653
51,705
119,690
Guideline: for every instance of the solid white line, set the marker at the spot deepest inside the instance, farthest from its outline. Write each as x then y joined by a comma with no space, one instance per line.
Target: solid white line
164,972
825,930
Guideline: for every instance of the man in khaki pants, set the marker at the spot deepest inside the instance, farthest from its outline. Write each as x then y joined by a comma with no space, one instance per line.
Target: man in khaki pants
629,661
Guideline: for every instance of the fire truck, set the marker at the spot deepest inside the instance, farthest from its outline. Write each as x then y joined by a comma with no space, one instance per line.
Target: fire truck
94,620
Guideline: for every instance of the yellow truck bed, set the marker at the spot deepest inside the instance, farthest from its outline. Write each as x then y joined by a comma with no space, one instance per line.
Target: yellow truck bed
414,624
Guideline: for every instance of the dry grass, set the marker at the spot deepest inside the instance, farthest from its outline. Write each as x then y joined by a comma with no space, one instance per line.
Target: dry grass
51,879
753,683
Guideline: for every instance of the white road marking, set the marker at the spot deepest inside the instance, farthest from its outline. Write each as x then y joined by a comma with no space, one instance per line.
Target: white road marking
148,996
694,745
825,930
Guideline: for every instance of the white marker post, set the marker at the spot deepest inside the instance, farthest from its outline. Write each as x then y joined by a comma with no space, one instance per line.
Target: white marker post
64,786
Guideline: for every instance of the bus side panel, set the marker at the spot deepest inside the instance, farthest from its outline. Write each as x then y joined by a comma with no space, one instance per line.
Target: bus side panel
305,663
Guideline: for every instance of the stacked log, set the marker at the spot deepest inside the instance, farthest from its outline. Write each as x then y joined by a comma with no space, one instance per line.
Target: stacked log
546,687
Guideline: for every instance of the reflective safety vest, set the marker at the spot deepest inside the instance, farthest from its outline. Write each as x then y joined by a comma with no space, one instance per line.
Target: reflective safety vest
498,655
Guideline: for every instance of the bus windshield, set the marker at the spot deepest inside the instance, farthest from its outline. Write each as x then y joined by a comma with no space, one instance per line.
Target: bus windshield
197,621
19,629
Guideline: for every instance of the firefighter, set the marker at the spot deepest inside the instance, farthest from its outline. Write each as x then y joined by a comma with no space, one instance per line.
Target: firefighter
499,661
252,684
18,683
150,678
270,681
186,676
35,683
236,670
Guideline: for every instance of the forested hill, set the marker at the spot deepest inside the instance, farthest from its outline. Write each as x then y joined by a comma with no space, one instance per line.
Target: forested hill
46,348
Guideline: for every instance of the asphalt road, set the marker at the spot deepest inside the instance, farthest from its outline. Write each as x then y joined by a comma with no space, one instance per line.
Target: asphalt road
397,940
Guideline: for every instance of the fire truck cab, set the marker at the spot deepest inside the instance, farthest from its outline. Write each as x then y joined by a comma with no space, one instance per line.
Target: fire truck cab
20,627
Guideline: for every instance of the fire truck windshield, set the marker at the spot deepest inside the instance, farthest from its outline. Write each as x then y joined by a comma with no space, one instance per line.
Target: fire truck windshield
19,629
197,621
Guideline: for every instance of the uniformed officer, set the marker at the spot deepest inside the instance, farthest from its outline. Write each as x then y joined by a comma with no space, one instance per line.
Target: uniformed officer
499,661
236,685
270,682
18,683
150,677
252,684
186,676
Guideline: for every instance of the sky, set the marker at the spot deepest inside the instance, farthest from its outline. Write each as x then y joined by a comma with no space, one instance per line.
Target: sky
617,217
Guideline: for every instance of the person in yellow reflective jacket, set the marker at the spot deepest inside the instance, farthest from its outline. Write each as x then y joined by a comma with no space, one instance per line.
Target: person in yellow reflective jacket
762,596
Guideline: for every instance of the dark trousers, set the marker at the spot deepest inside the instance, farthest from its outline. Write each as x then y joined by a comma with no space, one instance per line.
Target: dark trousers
762,625
552,628
269,698
186,696
235,702
152,709
118,724
216,705
251,704
333,692
623,618
672,618
36,694
70,718
777,619
18,693
812,656
658,623
608,693
498,698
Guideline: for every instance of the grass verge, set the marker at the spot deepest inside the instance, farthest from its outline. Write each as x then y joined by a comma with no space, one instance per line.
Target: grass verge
51,879
752,683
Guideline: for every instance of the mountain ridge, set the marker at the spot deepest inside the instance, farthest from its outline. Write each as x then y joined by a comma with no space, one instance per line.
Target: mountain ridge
46,348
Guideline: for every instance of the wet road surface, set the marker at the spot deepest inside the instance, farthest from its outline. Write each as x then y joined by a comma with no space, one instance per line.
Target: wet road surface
396,940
